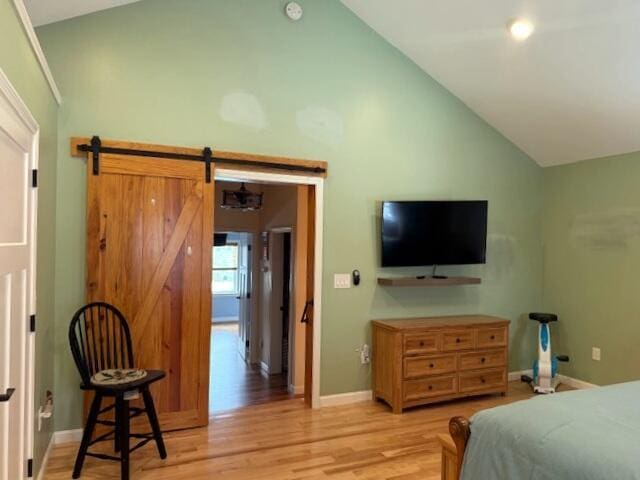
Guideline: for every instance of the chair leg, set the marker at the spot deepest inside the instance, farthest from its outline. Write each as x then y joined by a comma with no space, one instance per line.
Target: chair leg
116,437
124,437
87,434
153,420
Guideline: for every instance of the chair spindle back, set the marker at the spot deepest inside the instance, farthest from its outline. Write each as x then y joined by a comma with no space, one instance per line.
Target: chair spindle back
100,339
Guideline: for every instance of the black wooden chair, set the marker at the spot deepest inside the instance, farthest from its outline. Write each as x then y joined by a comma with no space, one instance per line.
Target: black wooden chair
100,342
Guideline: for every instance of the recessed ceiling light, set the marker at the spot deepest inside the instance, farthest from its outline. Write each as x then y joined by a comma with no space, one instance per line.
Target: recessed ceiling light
520,29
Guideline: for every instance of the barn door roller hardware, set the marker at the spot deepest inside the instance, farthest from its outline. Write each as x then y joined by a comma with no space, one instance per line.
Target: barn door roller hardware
207,157
95,153
207,154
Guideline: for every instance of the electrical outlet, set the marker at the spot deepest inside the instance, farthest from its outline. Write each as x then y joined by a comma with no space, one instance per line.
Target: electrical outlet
595,354
45,411
365,354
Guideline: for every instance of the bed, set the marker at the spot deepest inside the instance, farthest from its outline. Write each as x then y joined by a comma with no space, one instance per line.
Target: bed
589,434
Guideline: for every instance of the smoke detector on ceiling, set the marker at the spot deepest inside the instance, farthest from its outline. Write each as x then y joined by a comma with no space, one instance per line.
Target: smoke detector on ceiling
293,11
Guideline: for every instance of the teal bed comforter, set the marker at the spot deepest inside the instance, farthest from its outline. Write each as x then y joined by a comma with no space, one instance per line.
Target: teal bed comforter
589,434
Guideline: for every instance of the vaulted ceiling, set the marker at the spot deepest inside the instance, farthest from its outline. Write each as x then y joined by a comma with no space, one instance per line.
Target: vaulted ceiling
49,11
568,93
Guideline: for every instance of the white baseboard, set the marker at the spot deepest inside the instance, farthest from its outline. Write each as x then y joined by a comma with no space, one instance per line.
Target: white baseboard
575,383
45,458
57,438
366,395
345,398
570,381
514,376
296,390
67,436
354,397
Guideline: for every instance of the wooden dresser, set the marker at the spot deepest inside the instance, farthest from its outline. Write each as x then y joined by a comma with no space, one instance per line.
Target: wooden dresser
425,360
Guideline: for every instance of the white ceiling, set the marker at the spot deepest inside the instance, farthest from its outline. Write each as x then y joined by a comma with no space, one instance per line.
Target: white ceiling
49,11
568,93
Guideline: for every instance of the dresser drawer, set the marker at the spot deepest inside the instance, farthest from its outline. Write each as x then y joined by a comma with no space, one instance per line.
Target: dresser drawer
486,359
421,343
492,337
483,380
428,360
423,366
429,387
462,340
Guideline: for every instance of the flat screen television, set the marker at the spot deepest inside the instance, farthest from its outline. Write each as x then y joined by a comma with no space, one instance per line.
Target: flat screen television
421,233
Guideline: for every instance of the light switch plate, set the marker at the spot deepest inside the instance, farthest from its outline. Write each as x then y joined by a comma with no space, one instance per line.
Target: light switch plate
342,280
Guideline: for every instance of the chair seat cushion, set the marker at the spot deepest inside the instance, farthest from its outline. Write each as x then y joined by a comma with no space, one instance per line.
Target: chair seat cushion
131,383
118,376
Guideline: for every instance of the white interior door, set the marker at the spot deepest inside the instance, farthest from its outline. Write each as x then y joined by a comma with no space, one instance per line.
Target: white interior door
18,156
244,302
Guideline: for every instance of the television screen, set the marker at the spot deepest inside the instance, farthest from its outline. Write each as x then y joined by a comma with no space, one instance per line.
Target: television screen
434,233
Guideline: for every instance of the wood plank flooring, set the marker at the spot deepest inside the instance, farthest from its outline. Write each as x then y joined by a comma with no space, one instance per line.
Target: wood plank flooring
234,383
286,441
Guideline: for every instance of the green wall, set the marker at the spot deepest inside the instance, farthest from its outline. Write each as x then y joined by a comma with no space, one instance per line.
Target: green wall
591,265
240,76
20,65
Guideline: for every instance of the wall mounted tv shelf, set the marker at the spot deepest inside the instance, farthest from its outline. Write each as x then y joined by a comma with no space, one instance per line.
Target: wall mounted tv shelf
427,281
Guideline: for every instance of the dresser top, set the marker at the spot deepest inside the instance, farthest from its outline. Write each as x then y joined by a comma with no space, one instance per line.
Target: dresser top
441,322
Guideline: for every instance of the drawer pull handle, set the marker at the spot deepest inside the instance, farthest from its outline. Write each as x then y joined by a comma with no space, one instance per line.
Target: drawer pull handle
430,387
493,337
422,344
457,340
431,365
482,380
482,360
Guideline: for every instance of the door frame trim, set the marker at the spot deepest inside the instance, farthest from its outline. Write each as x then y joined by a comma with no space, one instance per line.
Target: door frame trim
14,99
23,114
222,174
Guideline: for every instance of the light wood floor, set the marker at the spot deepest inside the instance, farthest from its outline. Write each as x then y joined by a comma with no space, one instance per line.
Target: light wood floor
234,383
285,441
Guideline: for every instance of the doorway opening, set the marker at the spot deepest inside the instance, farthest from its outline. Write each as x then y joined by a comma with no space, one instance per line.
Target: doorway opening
259,284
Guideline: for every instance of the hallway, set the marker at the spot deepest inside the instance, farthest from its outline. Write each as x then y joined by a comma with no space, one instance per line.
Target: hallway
234,383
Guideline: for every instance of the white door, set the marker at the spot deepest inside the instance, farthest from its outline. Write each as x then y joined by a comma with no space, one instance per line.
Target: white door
18,154
244,295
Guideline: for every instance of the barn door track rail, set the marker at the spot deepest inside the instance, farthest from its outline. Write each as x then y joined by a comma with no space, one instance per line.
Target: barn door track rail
207,156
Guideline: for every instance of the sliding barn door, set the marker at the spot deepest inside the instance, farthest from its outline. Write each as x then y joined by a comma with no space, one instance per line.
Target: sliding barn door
150,233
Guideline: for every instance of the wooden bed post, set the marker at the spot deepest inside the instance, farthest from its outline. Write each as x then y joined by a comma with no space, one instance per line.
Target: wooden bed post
460,431
453,447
